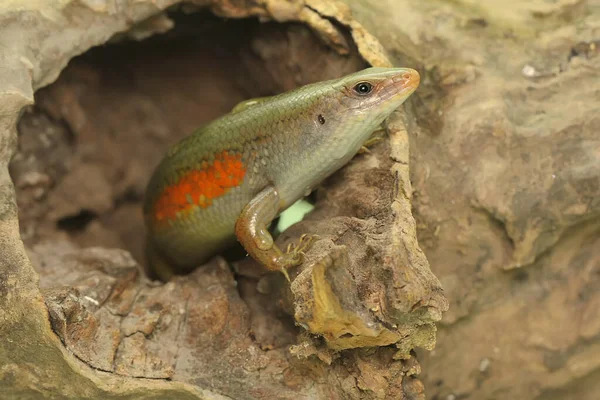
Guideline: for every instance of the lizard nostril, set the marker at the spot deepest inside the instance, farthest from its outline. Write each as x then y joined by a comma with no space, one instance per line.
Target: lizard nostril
411,78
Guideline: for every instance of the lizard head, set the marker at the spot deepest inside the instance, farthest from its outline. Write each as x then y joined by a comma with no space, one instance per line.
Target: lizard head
374,93
332,120
349,109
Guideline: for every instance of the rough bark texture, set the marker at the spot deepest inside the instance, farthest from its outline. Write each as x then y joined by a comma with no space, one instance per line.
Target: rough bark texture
505,165
87,323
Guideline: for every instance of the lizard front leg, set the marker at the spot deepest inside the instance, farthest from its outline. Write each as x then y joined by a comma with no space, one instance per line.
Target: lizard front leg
375,138
251,229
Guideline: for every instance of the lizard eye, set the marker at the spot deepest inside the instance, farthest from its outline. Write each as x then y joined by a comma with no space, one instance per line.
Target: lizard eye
363,88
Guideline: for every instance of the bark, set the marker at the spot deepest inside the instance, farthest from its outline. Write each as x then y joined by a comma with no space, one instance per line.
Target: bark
505,165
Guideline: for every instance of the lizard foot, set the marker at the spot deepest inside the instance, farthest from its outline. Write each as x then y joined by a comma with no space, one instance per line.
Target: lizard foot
370,142
294,254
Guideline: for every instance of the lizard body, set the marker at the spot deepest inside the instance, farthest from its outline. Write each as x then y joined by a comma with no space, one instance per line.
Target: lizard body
232,177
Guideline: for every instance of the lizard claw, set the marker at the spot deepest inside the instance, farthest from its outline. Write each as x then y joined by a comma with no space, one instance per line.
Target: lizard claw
305,242
364,150
295,253
373,140
285,273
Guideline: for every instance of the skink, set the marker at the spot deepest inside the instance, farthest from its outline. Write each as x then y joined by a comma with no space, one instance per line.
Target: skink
231,178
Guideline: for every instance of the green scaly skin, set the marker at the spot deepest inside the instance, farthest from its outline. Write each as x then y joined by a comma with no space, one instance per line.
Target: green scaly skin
287,145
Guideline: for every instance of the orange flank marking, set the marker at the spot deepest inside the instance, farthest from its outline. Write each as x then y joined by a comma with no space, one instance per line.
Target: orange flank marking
199,187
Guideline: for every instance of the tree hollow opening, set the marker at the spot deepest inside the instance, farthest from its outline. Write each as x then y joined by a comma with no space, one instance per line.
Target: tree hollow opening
91,141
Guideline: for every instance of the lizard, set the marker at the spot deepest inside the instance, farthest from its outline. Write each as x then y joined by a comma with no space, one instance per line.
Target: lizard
229,179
